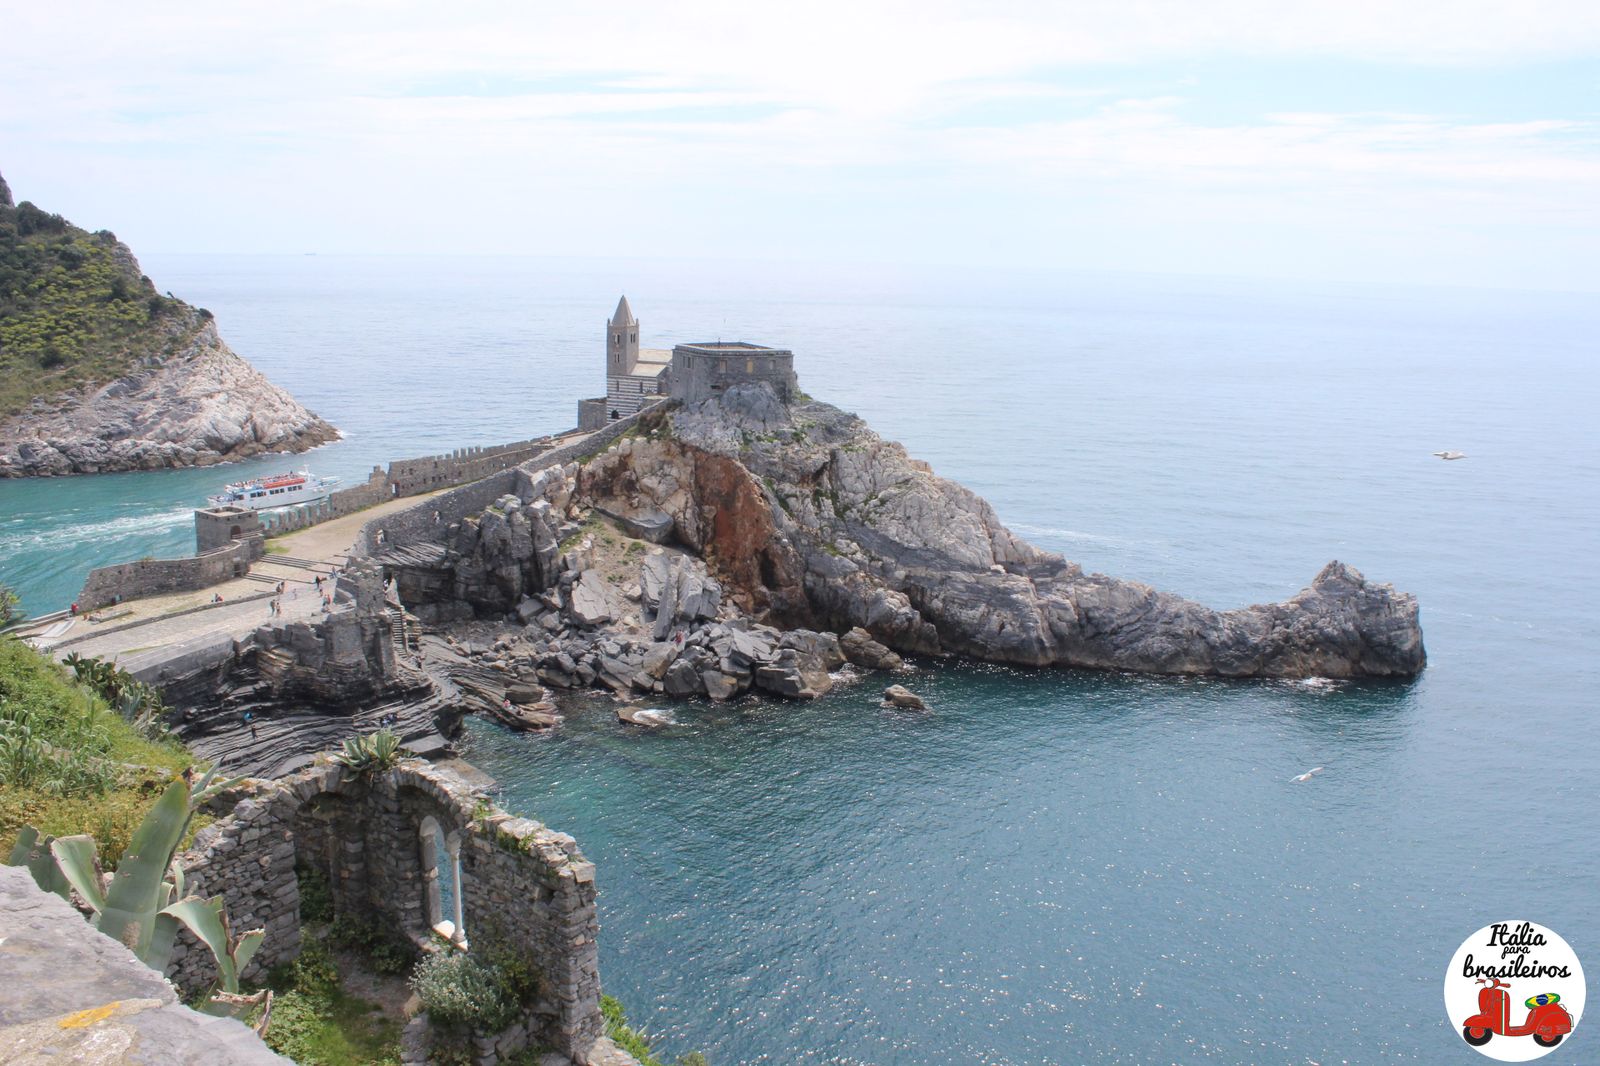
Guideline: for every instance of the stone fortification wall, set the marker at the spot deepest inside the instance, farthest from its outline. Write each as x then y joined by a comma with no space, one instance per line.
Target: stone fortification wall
383,842
408,477
417,525
335,505
152,577
488,472
591,414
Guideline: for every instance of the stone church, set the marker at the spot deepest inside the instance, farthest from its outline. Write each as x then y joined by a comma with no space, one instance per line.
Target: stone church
637,377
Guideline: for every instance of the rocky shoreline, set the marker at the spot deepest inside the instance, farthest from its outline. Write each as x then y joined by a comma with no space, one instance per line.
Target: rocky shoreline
743,546
200,406
802,518
104,374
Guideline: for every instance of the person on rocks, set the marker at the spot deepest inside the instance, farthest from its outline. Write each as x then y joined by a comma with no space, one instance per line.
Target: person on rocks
250,720
74,610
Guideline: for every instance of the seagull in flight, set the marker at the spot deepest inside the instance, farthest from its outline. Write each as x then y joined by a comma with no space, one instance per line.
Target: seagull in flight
1309,774
1451,455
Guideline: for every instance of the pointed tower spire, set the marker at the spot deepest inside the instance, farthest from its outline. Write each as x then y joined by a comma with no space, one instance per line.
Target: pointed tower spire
624,315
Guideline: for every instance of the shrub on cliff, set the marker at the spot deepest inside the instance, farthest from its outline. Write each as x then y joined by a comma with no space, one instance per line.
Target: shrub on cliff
371,754
634,1042
74,309
10,606
459,992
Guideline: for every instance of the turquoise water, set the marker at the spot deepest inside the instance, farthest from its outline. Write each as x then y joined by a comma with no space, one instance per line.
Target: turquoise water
1050,868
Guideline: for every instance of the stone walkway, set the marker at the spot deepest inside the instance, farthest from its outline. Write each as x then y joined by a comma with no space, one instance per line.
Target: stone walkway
142,632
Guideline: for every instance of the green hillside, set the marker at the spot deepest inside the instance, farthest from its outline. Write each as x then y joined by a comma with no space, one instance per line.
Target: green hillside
74,309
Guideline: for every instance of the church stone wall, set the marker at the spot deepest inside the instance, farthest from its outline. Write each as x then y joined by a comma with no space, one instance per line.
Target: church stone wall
700,371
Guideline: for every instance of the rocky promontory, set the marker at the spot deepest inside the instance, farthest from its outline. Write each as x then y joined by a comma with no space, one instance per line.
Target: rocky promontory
101,373
800,523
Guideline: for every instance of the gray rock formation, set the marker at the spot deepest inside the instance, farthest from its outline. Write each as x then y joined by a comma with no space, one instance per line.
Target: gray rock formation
812,517
74,994
802,519
589,600
201,406
904,698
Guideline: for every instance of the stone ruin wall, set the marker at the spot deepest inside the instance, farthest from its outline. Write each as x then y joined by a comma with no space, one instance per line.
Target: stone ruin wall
524,884
153,577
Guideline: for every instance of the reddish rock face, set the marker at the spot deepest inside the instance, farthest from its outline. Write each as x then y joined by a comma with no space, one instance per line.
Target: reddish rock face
724,517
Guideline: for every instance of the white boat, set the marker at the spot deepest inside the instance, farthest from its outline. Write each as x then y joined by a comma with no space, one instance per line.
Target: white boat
279,490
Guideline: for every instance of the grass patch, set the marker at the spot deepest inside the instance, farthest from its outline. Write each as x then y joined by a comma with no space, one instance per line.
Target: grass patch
68,762
332,1029
316,1022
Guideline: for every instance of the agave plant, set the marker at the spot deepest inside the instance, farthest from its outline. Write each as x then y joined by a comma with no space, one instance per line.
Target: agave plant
145,903
371,754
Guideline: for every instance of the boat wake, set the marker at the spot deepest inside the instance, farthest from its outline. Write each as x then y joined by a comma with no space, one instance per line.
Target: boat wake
59,535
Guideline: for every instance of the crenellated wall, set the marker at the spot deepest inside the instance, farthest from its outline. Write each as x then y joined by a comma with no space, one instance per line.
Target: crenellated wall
419,525
482,474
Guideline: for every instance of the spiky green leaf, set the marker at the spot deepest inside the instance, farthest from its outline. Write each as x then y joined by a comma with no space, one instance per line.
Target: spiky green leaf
77,859
34,852
206,920
129,915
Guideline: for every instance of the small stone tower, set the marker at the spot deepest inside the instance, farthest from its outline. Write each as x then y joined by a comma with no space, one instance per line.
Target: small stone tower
622,341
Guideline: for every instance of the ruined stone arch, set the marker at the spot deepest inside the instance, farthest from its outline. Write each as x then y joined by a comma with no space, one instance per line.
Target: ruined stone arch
375,837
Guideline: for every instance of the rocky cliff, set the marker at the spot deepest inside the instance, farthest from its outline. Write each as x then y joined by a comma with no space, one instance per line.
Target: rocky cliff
100,373
803,517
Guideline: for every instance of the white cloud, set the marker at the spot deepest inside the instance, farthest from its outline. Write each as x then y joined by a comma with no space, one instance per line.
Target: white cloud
846,122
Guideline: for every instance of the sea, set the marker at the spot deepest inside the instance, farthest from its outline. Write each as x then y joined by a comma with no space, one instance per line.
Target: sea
1049,867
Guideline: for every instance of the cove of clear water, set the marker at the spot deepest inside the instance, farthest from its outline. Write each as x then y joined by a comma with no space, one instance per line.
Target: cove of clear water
1050,867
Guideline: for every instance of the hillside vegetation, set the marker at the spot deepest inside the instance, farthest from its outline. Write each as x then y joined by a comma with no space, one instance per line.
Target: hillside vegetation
69,762
74,308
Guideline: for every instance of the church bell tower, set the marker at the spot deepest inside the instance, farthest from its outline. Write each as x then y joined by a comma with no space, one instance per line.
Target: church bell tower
622,341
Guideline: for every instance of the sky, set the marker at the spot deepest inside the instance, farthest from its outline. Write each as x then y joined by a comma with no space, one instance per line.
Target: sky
1412,142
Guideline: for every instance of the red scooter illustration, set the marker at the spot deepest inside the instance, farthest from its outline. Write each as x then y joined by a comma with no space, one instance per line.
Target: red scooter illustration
1547,1021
